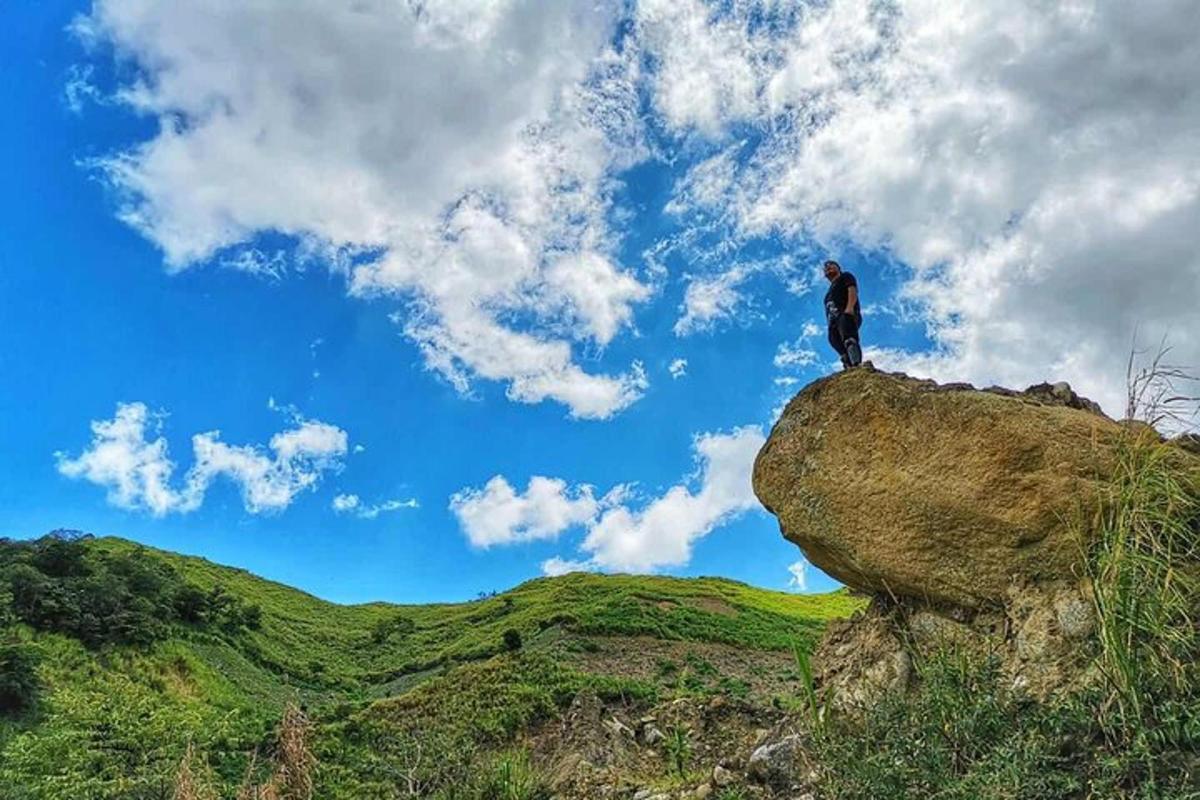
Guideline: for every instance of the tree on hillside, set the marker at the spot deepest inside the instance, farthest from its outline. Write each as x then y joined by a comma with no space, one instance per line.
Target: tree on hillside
18,678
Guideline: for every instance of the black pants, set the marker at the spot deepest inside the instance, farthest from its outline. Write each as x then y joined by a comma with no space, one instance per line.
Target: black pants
843,335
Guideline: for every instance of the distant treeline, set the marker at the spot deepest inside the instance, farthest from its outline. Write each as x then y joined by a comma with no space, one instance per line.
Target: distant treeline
58,583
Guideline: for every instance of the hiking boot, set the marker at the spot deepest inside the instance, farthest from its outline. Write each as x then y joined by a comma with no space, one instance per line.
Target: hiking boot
853,354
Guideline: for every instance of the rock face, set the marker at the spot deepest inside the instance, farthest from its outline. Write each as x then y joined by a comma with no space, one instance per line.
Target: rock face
1038,640
940,493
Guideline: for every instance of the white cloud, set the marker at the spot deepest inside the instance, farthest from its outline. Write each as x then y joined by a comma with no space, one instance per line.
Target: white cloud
253,261
138,473
1036,165
352,504
497,514
799,575
555,566
708,72
79,90
794,355
456,156
678,368
661,533
343,503
620,537
1034,168
711,298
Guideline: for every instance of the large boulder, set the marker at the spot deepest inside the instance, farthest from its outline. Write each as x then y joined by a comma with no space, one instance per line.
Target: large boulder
945,493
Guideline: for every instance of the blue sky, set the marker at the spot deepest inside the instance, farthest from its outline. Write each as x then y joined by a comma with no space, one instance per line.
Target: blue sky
429,251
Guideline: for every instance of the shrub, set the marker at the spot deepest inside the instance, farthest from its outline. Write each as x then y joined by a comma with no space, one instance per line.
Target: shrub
58,584
398,625
512,640
511,777
18,678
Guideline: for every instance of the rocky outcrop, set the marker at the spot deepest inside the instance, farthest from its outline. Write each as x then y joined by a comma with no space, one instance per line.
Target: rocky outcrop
1038,638
943,493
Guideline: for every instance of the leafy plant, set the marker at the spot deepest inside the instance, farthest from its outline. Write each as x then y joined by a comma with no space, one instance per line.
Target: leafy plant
808,687
678,747
511,777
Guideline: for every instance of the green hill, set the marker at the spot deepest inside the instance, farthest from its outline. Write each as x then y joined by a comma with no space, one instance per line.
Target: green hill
117,657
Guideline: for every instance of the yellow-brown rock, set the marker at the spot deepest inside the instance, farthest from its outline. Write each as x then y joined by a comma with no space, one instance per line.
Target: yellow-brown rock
945,493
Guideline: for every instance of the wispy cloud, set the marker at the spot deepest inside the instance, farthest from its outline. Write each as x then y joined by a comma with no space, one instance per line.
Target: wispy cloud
798,570
353,505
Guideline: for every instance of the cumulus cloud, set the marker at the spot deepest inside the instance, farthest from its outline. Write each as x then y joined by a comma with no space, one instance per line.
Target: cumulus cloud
455,156
662,533
621,533
498,514
353,504
137,472
1033,168
678,368
1036,166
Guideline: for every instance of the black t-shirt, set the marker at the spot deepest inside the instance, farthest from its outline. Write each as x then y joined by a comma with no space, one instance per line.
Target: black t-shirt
838,294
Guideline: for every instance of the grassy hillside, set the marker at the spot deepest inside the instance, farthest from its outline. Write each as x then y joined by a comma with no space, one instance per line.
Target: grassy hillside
120,656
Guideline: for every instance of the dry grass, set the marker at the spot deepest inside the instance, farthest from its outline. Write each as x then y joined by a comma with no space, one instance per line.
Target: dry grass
295,762
191,780
291,776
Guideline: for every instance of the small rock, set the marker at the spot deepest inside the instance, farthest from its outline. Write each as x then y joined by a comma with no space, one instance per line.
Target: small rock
702,791
722,776
652,735
1075,615
778,763
618,728
650,794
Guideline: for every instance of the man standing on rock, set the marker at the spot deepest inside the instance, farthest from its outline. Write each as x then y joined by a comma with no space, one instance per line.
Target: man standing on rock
843,313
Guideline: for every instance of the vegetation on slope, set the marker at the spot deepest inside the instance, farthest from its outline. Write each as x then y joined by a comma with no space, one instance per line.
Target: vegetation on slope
116,658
